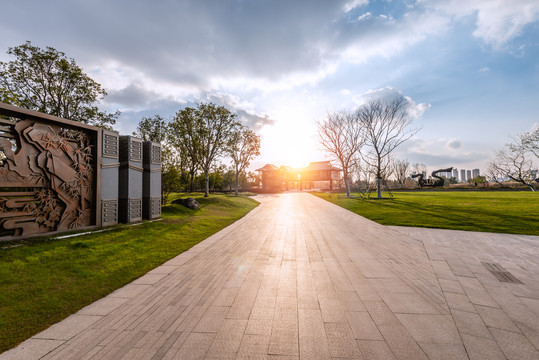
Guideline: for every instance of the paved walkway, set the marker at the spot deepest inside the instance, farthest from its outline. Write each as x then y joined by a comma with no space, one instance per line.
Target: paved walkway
301,278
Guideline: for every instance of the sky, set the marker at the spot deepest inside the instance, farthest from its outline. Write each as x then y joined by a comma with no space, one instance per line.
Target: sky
469,69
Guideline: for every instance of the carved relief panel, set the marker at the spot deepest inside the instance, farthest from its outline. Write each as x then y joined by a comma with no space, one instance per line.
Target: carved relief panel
47,177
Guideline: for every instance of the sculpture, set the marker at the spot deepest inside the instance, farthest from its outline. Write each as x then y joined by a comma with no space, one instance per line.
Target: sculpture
430,182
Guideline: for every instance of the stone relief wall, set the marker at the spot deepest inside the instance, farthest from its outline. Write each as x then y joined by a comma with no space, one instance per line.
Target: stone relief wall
47,178
57,175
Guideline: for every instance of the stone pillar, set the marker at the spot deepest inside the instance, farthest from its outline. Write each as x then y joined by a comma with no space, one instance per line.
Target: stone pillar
151,182
130,184
110,164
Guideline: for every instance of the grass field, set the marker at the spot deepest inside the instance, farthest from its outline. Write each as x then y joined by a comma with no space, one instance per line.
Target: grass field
514,212
47,279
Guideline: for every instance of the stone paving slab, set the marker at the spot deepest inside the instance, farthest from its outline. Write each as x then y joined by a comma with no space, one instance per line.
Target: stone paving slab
300,278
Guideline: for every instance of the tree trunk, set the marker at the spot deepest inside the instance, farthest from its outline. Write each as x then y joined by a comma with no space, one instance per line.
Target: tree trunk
191,181
379,186
347,185
207,181
236,192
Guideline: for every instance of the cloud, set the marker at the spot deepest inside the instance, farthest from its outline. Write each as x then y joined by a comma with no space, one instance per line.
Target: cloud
134,95
484,69
440,153
352,4
389,93
453,144
245,111
497,22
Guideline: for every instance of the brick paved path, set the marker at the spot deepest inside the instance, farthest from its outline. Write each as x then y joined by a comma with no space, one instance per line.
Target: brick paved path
301,278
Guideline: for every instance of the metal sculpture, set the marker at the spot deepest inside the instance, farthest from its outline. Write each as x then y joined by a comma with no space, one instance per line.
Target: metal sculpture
47,177
439,182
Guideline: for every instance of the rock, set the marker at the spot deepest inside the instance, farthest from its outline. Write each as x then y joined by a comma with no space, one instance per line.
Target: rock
189,202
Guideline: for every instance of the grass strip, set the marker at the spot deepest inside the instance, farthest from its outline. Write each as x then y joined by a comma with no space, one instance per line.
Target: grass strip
510,212
44,280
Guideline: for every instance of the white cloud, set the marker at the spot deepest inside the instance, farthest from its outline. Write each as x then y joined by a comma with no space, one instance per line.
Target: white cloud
350,5
484,69
389,93
497,22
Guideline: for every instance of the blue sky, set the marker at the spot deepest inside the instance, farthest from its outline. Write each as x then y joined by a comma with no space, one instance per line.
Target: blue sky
469,68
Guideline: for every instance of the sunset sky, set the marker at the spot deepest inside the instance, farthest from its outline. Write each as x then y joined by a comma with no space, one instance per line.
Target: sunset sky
470,68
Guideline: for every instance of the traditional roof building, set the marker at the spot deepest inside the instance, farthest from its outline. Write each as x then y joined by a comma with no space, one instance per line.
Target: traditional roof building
317,175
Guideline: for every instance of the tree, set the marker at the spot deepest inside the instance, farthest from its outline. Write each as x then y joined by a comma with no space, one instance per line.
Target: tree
48,81
152,129
185,137
530,142
494,173
171,173
342,138
243,146
401,168
514,164
203,133
386,125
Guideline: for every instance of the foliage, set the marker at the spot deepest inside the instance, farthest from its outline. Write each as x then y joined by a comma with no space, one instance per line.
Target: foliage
49,82
489,211
242,147
184,136
152,129
202,133
45,280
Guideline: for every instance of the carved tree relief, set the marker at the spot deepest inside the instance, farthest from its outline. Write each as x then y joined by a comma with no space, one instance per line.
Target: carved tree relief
47,179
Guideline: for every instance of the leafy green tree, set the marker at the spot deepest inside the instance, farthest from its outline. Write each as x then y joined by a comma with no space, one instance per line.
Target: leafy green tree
47,81
243,146
152,129
184,135
203,133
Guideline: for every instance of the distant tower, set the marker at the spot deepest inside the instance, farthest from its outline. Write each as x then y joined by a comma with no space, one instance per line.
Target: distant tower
456,174
468,174
462,175
475,173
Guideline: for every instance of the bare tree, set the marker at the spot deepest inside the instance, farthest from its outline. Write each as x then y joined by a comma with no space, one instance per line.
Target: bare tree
419,168
514,164
243,146
530,142
401,169
386,125
341,136
493,173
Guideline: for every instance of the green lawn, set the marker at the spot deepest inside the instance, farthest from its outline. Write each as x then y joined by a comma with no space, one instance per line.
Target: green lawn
514,212
47,279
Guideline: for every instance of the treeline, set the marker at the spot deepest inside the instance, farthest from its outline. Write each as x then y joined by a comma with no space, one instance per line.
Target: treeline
194,142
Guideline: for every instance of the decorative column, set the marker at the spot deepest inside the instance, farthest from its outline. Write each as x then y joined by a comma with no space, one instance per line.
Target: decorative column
110,164
130,184
151,184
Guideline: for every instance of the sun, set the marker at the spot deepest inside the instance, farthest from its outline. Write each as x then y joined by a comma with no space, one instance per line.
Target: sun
291,142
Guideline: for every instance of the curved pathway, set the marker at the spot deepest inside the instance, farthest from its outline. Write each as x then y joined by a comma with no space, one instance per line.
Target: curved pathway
300,278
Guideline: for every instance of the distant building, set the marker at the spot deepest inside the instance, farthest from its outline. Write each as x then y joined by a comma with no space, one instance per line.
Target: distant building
468,174
456,174
317,175
462,175
475,173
